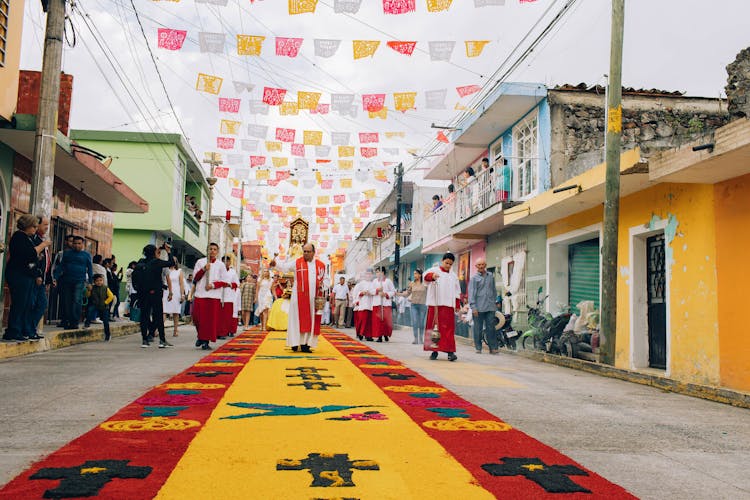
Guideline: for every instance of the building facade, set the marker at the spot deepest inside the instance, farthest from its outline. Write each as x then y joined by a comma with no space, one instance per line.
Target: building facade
163,168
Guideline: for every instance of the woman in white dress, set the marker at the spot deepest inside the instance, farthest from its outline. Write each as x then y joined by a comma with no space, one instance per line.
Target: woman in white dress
264,298
174,295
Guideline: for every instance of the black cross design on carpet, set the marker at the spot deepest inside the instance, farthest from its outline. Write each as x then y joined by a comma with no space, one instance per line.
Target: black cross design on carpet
553,478
87,479
394,376
328,469
163,411
210,373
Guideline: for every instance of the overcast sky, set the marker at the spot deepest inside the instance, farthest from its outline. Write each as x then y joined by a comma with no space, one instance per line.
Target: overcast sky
669,44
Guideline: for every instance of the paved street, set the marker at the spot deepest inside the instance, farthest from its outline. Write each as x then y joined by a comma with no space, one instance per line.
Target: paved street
655,444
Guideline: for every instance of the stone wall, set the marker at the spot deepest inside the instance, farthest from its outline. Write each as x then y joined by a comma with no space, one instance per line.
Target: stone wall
738,85
651,121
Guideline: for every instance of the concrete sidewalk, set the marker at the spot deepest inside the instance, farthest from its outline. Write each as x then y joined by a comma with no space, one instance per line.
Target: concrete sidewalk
56,338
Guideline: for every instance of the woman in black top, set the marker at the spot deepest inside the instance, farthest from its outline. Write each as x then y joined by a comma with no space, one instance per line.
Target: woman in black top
21,272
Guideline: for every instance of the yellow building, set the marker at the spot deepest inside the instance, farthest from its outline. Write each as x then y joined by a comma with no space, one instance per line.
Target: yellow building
683,240
11,25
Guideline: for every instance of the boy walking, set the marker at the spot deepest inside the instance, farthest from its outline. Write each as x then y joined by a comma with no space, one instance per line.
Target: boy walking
100,297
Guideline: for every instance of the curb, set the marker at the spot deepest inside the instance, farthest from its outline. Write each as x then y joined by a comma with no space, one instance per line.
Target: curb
57,339
711,393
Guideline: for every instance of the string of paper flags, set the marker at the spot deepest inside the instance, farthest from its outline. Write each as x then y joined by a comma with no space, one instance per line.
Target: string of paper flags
252,45
392,7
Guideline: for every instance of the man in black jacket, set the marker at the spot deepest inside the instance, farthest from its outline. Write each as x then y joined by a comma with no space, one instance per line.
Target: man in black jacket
149,285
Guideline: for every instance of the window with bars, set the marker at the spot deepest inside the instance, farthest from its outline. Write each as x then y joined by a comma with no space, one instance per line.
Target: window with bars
4,21
525,161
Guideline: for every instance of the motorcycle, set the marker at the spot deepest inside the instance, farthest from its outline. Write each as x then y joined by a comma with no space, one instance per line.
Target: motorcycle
546,330
505,333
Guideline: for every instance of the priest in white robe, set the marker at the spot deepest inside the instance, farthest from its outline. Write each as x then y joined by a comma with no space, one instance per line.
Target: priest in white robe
304,319
443,294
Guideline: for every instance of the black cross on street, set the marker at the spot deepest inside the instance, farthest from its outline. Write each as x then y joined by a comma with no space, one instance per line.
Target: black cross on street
553,478
394,376
87,479
210,373
315,386
328,469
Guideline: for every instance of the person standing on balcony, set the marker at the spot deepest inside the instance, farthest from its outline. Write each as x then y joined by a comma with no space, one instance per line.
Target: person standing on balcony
504,179
482,295
443,292
436,203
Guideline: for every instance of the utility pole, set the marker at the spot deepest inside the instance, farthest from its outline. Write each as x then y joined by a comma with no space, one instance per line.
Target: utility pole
213,160
242,212
45,142
399,171
612,188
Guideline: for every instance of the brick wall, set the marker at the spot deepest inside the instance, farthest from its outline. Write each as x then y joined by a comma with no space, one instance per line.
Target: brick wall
29,83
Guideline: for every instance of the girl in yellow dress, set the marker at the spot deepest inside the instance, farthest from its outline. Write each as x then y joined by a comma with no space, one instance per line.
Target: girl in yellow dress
278,318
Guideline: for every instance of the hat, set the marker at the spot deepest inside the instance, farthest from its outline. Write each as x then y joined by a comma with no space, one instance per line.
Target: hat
499,320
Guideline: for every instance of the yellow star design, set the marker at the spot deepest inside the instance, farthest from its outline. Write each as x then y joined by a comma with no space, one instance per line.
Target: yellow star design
533,467
93,470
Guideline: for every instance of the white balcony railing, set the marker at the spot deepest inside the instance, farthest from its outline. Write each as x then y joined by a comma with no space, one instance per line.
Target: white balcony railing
487,188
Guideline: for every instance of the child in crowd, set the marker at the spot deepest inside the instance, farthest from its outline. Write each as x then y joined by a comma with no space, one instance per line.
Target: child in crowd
100,297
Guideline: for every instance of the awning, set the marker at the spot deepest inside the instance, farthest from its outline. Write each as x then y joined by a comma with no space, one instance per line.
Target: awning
723,155
82,171
455,160
583,192
371,229
388,205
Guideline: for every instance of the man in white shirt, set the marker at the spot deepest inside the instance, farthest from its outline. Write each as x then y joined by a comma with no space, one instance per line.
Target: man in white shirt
341,294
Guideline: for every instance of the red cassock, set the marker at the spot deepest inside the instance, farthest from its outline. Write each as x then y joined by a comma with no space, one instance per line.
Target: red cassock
446,322
362,322
229,322
207,318
381,321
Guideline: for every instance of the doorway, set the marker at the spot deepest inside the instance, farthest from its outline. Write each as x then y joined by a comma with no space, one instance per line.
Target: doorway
649,298
657,305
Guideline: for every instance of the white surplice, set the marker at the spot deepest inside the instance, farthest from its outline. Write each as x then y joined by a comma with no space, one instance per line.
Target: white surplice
294,337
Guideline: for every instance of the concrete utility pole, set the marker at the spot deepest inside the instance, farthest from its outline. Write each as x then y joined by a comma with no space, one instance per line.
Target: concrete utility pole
43,171
612,188
242,212
399,171
213,160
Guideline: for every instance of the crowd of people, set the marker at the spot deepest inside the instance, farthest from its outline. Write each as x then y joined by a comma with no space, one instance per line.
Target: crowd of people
287,296
87,287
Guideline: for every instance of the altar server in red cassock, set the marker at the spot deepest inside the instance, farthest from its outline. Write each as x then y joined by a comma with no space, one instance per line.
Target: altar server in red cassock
208,278
383,292
230,298
304,319
363,307
443,293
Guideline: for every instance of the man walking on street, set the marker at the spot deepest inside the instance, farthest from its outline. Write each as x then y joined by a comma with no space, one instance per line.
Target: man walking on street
147,280
341,294
482,295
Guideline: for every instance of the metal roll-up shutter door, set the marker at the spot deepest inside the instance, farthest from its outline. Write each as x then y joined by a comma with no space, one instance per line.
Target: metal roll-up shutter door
583,272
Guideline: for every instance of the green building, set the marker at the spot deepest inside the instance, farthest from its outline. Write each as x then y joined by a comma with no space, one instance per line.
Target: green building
163,170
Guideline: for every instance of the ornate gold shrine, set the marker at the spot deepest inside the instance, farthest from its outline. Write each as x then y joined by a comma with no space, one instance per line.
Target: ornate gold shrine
298,237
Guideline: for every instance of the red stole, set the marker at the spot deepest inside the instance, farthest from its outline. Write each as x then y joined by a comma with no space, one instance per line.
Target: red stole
303,292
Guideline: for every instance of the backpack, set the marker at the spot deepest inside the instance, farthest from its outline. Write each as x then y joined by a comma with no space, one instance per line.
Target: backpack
139,276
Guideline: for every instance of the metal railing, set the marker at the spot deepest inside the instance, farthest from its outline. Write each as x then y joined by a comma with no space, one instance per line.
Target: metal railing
488,188
191,222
